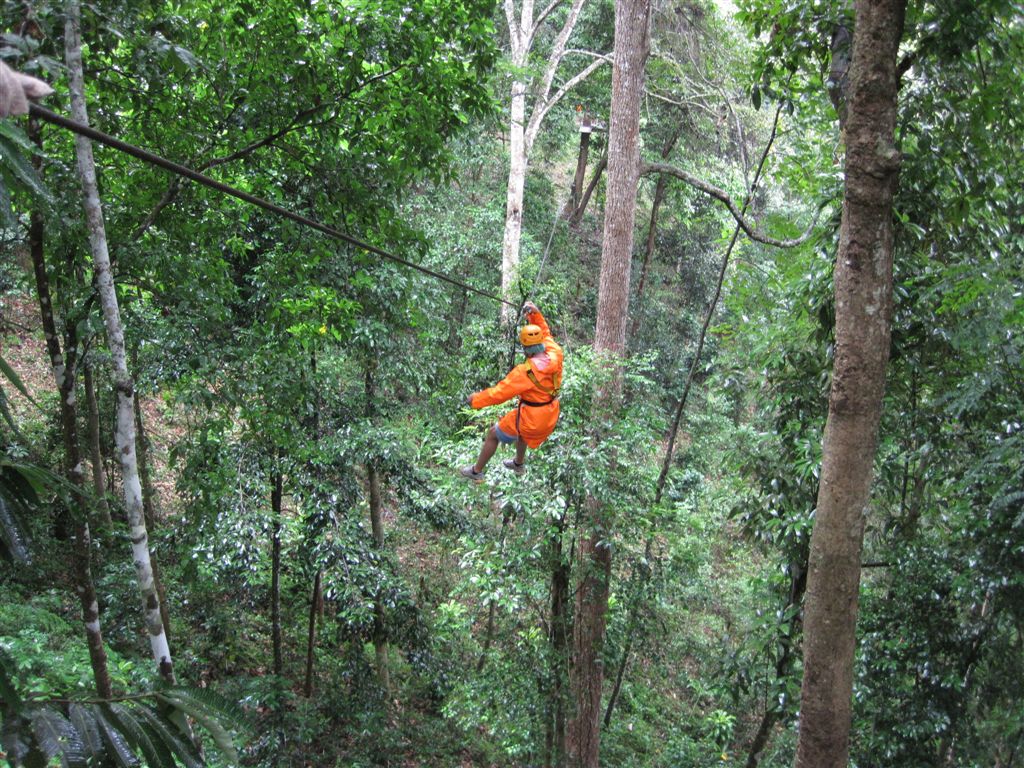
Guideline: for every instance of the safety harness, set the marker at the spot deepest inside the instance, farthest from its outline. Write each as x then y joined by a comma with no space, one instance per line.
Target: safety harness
552,391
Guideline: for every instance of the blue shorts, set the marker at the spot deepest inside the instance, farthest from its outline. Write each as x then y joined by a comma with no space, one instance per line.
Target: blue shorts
503,437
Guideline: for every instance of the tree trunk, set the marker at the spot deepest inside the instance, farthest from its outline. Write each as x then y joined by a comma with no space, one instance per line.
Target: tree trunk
560,634
148,508
581,169
99,485
115,338
315,607
863,285
380,640
631,48
652,230
577,215
64,378
514,196
276,496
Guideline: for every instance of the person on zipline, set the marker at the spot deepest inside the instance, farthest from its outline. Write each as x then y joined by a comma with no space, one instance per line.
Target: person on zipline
536,382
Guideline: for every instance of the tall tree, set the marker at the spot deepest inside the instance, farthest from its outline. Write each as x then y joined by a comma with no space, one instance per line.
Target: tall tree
64,368
631,50
523,31
863,307
115,338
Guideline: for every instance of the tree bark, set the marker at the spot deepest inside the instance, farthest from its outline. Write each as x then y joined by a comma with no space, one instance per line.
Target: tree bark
64,377
99,485
560,635
115,338
863,285
632,19
276,497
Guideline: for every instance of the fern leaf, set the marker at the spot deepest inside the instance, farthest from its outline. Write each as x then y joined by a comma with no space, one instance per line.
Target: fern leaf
167,733
225,710
84,720
221,736
56,737
154,752
117,745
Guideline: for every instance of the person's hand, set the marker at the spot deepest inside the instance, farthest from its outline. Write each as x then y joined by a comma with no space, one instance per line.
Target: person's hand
529,307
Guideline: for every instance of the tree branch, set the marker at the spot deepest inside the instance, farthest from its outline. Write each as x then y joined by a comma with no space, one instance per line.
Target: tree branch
539,115
723,197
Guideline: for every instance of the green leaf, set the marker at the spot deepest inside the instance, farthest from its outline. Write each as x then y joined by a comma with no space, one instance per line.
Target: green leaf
13,377
14,160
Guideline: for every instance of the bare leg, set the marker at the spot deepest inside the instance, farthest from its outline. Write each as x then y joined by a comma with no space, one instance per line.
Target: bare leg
486,450
520,452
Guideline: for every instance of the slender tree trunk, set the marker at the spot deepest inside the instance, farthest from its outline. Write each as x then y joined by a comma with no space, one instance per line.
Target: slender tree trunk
577,215
652,230
115,338
64,378
581,169
148,505
380,638
276,498
315,607
492,606
863,285
99,485
514,195
632,19
560,636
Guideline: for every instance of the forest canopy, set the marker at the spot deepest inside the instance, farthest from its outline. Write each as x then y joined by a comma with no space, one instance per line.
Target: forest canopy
732,292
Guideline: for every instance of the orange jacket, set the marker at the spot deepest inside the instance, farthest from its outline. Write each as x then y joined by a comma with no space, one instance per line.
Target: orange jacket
537,414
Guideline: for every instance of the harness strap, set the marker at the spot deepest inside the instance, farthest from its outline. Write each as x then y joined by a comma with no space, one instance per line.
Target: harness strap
553,391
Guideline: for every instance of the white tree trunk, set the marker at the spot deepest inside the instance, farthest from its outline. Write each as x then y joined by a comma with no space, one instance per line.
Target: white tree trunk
514,196
523,128
125,437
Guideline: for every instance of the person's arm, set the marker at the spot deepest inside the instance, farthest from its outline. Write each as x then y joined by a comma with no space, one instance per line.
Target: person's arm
534,316
514,384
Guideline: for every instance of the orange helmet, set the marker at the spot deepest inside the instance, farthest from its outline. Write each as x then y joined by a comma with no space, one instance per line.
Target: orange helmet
530,335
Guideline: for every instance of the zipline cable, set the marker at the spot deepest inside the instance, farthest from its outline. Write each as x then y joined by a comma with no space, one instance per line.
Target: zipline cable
169,165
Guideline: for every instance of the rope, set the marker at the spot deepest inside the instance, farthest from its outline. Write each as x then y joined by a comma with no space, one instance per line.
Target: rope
524,295
181,170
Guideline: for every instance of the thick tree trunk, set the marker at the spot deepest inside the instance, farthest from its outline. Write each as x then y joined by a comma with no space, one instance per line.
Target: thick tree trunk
64,378
863,285
99,485
631,48
315,607
115,338
276,496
